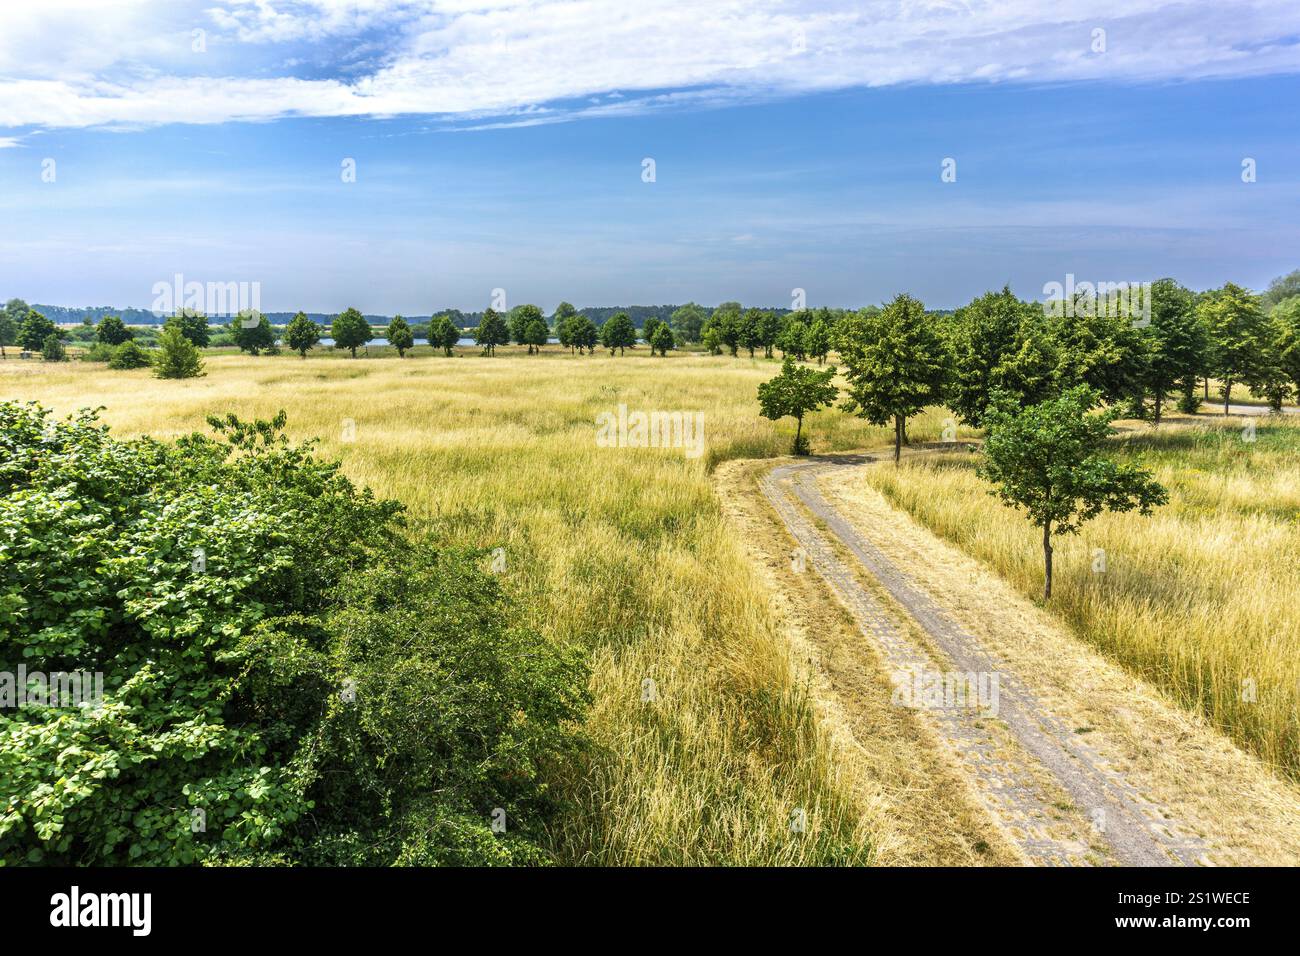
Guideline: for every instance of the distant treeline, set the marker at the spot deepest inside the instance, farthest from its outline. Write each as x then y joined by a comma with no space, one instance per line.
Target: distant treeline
67,315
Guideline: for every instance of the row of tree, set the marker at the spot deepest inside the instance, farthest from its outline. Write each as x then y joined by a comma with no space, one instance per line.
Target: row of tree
901,359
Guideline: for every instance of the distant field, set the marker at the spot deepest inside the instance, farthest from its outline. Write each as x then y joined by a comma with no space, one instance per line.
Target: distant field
622,549
1200,598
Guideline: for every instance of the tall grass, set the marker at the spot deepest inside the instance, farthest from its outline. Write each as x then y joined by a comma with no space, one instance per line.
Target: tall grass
623,550
1200,598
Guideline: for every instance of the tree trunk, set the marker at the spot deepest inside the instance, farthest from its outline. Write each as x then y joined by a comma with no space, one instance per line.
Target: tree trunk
1160,399
1227,394
1207,388
798,430
898,438
1047,561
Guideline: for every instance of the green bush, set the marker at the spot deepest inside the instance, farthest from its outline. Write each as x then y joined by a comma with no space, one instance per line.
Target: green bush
178,357
52,349
288,676
98,352
128,355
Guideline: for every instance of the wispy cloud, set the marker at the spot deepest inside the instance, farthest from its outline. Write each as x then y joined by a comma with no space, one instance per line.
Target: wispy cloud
77,63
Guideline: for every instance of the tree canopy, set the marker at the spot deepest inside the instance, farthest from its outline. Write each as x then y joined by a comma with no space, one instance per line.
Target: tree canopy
1048,459
795,392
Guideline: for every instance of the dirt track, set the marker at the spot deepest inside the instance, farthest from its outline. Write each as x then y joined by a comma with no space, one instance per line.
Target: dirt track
1058,798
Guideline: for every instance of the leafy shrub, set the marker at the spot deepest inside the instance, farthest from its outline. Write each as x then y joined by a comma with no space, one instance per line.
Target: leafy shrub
128,355
178,357
52,349
288,677
98,352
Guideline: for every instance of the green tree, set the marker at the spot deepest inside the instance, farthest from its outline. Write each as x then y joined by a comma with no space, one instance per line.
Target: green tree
52,349
34,330
128,355
563,312
818,340
751,330
1176,342
618,333
583,333
177,356
648,331
193,325
1285,319
12,315
1049,460
1234,322
793,340
1283,287
535,335
301,334
1099,347
350,330
400,335
491,332
727,321
895,365
250,329
662,339
795,392
112,331
8,333
998,343
688,321
769,329
443,334
711,338
521,317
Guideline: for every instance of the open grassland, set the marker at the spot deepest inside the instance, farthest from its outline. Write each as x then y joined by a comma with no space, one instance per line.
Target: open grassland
624,550
1200,598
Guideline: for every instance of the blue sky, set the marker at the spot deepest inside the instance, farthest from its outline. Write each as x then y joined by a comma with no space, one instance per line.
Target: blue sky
499,145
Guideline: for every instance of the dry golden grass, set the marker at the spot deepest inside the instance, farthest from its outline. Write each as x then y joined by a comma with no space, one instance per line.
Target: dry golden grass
1199,599
623,550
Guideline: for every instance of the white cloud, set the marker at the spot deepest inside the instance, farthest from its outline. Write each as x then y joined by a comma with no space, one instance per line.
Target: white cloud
81,63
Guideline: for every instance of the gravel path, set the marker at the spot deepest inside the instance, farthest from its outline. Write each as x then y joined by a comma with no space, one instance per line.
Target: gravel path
1056,796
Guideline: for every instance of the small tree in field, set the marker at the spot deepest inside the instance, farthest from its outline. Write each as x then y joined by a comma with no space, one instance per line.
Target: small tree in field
34,330
443,334
795,392
895,364
177,356
535,335
400,335
1048,459
52,349
582,333
301,334
619,333
111,331
662,339
8,332
251,330
491,332
350,329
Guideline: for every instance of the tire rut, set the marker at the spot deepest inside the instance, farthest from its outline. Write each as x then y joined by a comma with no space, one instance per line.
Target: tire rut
1058,798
